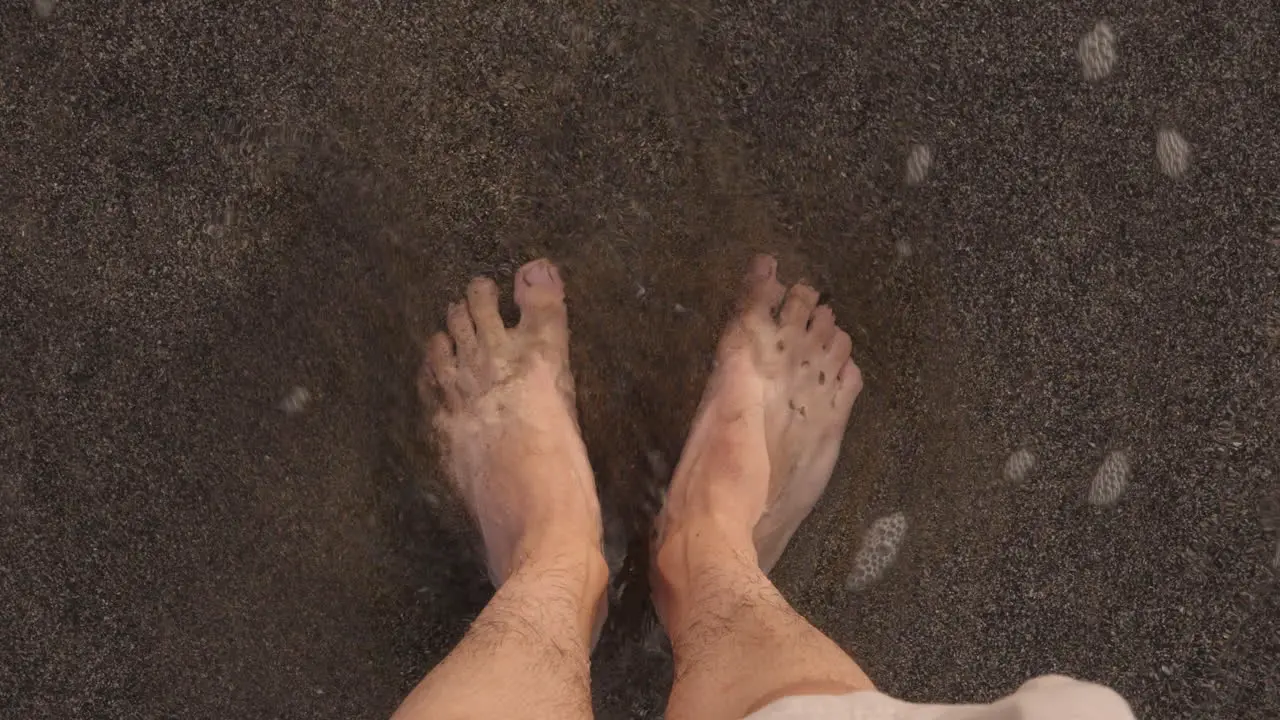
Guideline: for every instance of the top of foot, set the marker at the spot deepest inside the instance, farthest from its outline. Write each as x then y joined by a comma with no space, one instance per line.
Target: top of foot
505,419
772,418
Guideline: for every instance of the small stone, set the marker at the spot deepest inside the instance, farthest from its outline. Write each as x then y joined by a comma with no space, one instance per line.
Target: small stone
43,8
919,160
1097,52
1111,479
1173,153
296,401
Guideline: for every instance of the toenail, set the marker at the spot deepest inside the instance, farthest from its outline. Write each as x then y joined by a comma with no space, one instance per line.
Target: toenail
804,364
481,286
538,274
762,267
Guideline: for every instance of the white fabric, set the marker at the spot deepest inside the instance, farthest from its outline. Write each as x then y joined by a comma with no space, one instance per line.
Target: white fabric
1052,697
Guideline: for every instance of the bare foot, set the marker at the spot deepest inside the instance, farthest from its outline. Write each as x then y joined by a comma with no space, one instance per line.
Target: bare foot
771,421
506,421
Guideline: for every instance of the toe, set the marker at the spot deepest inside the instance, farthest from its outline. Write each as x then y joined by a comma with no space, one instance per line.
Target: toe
761,291
540,294
482,302
838,348
441,371
822,326
801,300
848,383
463,332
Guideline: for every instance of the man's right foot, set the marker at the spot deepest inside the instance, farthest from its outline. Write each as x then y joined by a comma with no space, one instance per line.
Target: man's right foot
772,418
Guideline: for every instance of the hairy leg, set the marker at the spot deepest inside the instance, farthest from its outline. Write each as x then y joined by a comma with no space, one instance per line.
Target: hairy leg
508,430
526,655
758,457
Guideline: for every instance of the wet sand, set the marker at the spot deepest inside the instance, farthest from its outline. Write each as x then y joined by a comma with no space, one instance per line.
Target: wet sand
228,226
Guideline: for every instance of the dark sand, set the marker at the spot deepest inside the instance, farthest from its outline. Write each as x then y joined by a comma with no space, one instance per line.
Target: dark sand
206,204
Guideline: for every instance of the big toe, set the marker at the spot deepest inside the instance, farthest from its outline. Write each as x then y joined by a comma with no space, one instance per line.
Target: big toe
761,291
540,295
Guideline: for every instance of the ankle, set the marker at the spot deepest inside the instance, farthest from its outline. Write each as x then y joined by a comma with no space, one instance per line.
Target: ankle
567,541
575,558
697,558
565,579
693,544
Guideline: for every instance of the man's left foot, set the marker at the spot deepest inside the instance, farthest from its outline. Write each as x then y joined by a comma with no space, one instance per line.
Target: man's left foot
507,426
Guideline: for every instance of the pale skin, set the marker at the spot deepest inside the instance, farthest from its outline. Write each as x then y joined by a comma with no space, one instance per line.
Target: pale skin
758,456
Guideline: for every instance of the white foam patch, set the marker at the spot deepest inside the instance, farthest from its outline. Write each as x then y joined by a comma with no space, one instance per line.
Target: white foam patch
1097,52
919,160
1173,153
879,550
1019,465
1111,479
296,401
